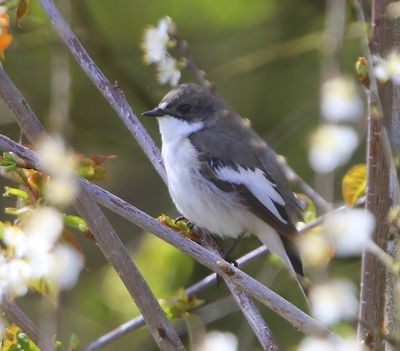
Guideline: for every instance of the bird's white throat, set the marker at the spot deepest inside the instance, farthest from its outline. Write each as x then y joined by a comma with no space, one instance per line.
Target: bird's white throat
172,128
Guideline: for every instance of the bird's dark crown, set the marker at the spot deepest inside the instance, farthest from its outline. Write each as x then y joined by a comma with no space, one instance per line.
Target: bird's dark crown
189,102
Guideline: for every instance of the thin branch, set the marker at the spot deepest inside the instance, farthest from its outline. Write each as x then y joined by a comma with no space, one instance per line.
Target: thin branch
245,303
13,314
99,43
106,237
266,296
115,251
201,285
295,179
183,49
116,98
111,92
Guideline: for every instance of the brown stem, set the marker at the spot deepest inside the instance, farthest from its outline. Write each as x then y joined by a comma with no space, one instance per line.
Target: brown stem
375,281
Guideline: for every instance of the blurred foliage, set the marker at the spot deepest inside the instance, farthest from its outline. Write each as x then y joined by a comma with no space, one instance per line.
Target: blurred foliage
354,184
264,58
16,340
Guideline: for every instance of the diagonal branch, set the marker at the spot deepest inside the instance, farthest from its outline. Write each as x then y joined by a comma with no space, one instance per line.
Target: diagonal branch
138,321
15,315
117,100
106,237
113,94
266,296
249,309
245,303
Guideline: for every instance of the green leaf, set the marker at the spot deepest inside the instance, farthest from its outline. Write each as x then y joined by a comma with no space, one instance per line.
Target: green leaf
22,10
354,184
15,192
16,211
181,226
76,222
310,212
73,343
180,305
362,71
16,340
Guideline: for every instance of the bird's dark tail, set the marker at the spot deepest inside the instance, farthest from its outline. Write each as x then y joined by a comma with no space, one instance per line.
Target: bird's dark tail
295,260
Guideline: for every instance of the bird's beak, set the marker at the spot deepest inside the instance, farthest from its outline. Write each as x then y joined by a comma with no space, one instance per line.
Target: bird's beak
155,112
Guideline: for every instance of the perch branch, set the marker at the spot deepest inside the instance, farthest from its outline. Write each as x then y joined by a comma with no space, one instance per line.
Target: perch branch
291,313
106,237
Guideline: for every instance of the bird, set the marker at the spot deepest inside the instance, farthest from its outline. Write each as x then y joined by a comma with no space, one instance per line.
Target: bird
222,176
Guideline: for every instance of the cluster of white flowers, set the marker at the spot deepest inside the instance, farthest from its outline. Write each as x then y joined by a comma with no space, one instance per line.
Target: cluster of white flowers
343,233
155,45
340,100
62,188
349,230
32,252
388,68
333,144
217,341
311,343
334,301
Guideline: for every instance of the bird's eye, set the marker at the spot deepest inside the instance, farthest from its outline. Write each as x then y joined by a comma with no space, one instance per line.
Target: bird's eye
183,108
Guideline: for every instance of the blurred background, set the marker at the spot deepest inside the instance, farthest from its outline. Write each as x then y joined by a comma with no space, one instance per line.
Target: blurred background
265,58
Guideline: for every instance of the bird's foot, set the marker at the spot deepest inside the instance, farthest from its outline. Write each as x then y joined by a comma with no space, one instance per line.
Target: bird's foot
189,224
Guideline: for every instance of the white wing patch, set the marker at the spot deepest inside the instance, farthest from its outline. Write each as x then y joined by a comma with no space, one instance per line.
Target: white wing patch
263,189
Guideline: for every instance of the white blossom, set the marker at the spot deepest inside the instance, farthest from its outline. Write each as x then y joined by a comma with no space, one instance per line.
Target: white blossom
349,230
388,68
14,237
218,341
66,265
62,187
340,100
315,249
43,227
54,157
393,9
168,71
331,146
312,343
156,40
334,301
14,276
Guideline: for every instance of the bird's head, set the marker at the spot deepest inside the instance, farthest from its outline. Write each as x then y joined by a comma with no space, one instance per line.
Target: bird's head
188,102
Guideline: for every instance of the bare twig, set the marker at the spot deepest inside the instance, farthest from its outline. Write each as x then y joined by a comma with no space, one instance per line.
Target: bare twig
378,296
106,237
245,303
183,49
111,92
295,179
138,322
99,44
116,98
13,314
285,309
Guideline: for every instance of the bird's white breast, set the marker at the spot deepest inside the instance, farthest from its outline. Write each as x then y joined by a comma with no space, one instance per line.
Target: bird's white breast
199,200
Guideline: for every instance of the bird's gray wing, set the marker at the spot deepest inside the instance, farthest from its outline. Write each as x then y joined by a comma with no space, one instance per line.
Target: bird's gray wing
234,164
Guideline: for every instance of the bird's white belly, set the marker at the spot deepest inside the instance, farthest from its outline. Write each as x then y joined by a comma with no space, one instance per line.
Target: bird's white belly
199,200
